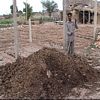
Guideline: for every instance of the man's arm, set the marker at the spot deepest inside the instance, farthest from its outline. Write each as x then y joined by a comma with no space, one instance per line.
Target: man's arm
76,26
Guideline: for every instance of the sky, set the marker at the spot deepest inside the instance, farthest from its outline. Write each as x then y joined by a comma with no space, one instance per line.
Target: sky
36,4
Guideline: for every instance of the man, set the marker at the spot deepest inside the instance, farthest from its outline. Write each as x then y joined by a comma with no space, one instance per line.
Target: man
70,25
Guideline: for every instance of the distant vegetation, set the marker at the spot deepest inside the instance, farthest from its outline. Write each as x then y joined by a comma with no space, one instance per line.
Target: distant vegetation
6,21
45,16
49,6
29,10
11,8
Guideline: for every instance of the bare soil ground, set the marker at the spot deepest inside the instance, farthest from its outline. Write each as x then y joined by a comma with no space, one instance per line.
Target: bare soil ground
45,75
51,35
48,34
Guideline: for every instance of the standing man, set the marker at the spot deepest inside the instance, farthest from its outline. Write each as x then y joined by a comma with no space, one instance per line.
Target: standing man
70,25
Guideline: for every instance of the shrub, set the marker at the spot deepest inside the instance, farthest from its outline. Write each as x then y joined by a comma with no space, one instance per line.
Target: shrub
42,18
6,21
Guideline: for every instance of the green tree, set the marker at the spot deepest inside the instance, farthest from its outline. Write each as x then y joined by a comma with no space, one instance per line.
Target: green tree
11,8
49,6
20,12
28,10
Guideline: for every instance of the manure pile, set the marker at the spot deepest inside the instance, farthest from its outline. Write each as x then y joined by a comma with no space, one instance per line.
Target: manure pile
46,74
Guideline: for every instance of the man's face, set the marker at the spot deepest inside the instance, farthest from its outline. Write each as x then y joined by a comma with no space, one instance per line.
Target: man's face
69,17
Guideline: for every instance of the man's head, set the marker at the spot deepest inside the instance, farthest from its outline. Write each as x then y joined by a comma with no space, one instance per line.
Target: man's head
69,16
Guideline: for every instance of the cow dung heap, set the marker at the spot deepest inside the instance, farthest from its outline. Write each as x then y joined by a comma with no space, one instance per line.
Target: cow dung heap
47,74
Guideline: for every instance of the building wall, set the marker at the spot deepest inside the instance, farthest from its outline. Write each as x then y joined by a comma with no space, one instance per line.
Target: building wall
98,17
73,2
76,16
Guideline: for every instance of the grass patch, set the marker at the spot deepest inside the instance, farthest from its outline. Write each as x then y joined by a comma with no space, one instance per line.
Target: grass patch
6,21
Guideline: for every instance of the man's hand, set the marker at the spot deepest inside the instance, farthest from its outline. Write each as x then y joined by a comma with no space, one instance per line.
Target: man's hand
70,34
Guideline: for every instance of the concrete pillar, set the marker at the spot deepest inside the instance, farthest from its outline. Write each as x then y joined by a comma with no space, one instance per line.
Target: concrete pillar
30,31
16,34
95,19
74,14
26,10
64,24
89,17
83,17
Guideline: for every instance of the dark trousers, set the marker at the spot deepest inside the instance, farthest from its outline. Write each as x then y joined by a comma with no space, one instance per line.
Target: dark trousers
70,47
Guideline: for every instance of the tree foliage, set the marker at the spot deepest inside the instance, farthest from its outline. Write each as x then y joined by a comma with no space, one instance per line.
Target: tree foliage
11,8
28,11
50,6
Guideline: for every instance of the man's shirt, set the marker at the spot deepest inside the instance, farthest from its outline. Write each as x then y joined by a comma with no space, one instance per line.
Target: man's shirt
70,26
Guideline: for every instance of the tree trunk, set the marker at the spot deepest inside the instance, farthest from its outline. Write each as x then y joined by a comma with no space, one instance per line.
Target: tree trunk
50,14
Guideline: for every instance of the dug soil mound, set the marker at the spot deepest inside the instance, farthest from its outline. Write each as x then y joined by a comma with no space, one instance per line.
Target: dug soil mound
47,74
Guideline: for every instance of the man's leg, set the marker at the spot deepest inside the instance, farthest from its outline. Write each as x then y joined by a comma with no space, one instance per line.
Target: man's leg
72,47
69,47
